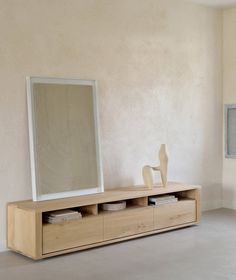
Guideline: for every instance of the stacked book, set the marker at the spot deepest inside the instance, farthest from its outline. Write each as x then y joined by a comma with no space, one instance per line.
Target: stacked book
162,199
60,216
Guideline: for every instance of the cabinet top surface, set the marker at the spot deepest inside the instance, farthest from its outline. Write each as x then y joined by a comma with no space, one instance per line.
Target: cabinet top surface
109,195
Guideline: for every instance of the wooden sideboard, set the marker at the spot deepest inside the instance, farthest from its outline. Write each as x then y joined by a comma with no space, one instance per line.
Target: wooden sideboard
29,235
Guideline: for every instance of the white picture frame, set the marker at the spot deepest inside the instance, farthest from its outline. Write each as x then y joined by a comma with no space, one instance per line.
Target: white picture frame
37,196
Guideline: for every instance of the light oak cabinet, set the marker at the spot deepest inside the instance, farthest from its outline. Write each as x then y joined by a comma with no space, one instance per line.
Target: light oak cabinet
30,236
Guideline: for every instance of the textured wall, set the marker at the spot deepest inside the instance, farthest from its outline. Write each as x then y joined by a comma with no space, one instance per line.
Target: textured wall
229,93
158,66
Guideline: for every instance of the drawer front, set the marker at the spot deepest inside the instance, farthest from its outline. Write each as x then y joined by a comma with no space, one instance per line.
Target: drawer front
71,234
128,222
175,214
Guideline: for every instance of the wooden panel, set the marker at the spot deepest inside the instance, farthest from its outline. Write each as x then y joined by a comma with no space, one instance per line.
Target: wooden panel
24,228
168,215
128,222
107,196
71,234
196,195
141,201
39,234
111,241
90,209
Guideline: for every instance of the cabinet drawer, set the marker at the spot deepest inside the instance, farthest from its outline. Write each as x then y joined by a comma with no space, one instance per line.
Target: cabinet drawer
168,215
128,222
71,234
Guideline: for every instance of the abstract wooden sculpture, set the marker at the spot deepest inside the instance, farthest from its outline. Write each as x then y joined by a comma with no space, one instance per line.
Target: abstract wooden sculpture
148,170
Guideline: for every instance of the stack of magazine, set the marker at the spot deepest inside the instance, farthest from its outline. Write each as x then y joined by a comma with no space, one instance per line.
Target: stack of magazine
60,216
162,199
114,206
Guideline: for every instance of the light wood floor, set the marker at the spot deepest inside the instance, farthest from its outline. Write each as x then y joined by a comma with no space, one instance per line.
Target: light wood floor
201,252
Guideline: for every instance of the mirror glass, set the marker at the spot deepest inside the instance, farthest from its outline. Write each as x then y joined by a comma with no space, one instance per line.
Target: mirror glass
64,138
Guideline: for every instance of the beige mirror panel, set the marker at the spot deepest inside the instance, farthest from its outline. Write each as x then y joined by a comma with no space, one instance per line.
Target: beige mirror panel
64,138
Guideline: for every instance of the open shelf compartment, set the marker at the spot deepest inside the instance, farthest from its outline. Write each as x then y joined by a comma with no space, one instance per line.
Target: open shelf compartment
133,203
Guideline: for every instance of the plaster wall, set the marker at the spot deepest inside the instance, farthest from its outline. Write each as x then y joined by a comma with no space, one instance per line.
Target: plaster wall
158,67
229,97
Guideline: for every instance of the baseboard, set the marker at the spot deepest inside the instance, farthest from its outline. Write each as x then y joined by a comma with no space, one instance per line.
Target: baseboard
211,205
3,246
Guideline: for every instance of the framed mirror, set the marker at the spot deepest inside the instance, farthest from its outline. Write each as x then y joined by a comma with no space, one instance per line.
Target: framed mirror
64,138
